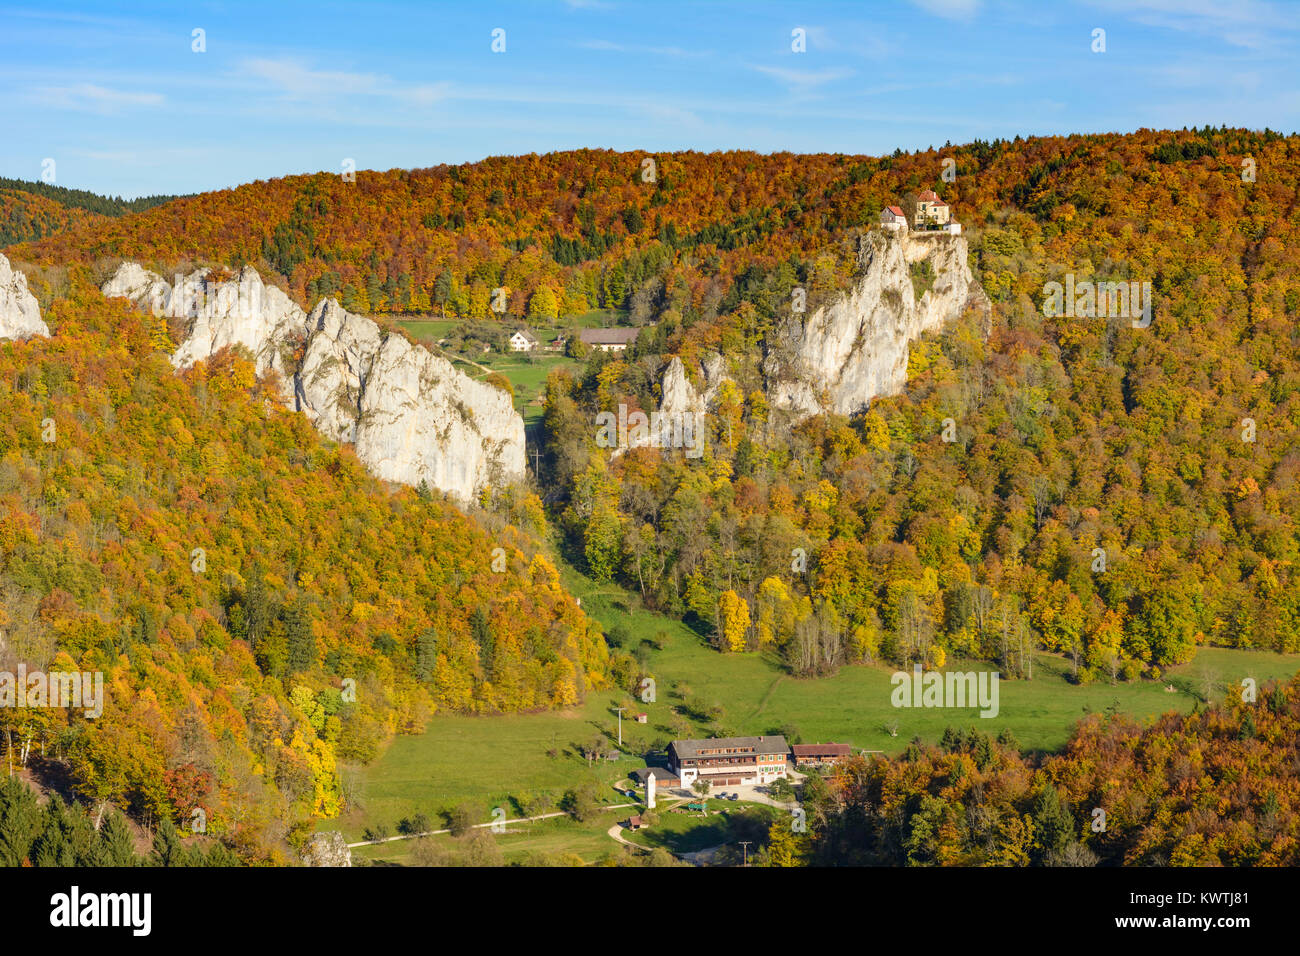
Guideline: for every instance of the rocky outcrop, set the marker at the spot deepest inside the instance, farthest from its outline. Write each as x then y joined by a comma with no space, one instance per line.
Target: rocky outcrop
679,421
327,849
678,395
411,415
20,315
848,352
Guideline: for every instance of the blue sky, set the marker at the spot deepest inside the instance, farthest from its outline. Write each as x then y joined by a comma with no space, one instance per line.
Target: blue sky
114,94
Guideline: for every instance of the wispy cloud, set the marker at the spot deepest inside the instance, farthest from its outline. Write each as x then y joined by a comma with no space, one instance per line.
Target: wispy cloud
608,46
93,98
805,79
950,9
293,79
1250,24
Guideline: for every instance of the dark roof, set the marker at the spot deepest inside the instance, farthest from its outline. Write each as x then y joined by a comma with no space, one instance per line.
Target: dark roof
528,335
608,336
764,745
660,774
822,750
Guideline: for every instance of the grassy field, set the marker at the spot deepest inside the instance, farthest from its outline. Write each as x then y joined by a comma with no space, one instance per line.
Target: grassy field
485,761
854,705
429,329
527,374
595,319
688,831
588,841
527,377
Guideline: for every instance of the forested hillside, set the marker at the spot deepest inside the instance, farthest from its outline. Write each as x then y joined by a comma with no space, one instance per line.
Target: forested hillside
262,609
1075,436
25,215
1119,495
1215,788
33,210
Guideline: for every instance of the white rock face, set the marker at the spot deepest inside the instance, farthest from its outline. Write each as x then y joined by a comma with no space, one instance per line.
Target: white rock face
848,352
679,421
141,286
679,396
20,315
412,416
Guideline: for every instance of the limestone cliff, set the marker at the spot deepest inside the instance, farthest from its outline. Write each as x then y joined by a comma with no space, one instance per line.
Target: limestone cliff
20,315
677,394
412,416
851,350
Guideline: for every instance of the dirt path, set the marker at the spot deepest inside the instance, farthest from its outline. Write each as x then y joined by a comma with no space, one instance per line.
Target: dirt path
480,826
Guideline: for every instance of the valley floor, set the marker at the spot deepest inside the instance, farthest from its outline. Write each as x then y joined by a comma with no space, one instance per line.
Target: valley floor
484,762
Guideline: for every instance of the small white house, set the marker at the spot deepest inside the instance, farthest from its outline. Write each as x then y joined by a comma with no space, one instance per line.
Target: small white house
523,341
892,217
952,228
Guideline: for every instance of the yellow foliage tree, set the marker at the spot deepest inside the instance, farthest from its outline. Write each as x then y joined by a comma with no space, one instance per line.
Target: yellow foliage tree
733,613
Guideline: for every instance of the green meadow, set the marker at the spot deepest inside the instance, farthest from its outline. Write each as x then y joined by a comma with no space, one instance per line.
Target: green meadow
485,761
588,841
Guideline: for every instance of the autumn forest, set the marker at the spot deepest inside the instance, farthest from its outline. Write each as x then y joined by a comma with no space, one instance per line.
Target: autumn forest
265,610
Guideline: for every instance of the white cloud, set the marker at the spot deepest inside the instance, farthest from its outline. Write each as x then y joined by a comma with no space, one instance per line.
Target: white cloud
608,46
1250,24
93,98
950,9
805,79
295,80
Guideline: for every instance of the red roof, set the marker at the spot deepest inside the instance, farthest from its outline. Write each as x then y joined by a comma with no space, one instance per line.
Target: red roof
928,196
896,210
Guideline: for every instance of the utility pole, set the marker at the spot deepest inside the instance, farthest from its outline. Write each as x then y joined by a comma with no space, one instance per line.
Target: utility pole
620,725
744,847
537,466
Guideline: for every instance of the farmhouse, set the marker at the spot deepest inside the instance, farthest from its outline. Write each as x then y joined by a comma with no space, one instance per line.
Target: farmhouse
523,341
608,340
893,217
729,761
931,211
819,755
